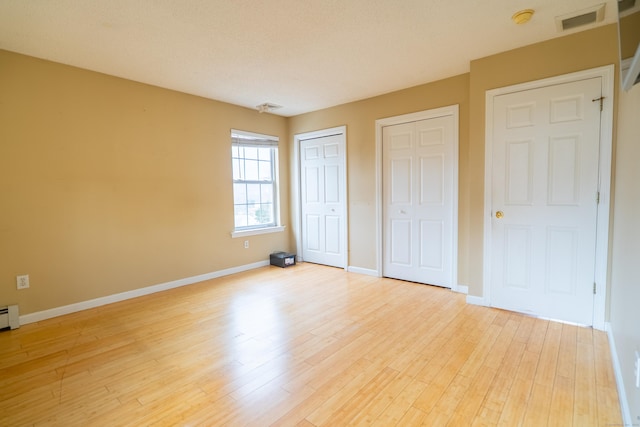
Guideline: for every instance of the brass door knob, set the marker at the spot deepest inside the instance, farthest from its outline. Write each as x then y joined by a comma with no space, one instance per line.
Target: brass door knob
499,214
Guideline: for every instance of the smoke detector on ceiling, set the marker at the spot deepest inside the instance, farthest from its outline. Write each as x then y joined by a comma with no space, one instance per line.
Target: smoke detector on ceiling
587,16
267,107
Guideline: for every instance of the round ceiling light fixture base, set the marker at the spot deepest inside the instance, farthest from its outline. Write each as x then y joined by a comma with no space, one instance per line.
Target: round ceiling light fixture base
522,16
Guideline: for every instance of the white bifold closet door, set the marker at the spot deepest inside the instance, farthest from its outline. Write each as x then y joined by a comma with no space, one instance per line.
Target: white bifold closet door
322,178
418,206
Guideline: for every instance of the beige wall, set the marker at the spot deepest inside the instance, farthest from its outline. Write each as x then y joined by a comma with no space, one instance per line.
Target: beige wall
107,181
554,57
625,252
110,185
360,117
630,34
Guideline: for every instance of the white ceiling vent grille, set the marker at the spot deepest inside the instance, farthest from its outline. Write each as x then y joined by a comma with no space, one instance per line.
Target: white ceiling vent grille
580,18
267,107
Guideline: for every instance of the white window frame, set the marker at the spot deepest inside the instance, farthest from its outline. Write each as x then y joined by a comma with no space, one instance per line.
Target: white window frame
248,139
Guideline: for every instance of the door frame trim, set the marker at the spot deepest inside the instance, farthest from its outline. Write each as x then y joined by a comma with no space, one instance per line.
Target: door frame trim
450,110
297,191
604,181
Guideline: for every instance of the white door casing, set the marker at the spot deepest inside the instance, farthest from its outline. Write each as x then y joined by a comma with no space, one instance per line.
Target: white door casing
548,162
322,197
419,197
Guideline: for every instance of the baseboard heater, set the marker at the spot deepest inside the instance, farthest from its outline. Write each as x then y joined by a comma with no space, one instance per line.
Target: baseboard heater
9,317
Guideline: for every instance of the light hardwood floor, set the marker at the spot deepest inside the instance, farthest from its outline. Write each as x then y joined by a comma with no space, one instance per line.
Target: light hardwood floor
306,346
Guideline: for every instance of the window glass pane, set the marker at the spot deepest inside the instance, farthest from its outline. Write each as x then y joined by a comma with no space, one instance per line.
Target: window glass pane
265,154
265,171
252,209
241,216
239,194
264,215
266,191
251,170
237,169
235,151
253,193
250,153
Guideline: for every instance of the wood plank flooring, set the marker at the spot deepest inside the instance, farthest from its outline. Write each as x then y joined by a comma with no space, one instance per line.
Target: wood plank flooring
304,346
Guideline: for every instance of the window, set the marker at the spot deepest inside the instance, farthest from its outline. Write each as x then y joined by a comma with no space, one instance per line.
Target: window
255,184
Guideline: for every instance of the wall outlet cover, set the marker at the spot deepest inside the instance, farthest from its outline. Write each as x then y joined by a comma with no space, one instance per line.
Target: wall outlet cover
22,282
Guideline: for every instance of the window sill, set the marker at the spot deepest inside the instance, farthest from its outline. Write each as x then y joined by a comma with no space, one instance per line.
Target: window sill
256,231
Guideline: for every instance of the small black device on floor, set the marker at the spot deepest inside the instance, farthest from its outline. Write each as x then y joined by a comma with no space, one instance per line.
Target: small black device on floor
282,259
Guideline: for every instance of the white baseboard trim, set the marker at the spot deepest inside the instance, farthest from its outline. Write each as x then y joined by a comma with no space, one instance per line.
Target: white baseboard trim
109,299
471,299
461,289
359,270
622,394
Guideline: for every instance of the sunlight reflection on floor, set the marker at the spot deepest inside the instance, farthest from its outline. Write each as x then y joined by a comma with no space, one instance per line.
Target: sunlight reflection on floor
259,332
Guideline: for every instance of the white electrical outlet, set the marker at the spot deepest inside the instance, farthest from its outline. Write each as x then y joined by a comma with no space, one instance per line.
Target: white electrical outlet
22,282
246,244
636,370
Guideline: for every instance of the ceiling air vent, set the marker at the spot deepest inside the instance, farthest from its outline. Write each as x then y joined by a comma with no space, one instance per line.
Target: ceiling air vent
580,18
267,107
624,5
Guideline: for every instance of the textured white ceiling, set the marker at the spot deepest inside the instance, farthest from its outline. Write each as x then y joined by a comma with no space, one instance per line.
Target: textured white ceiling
302,54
